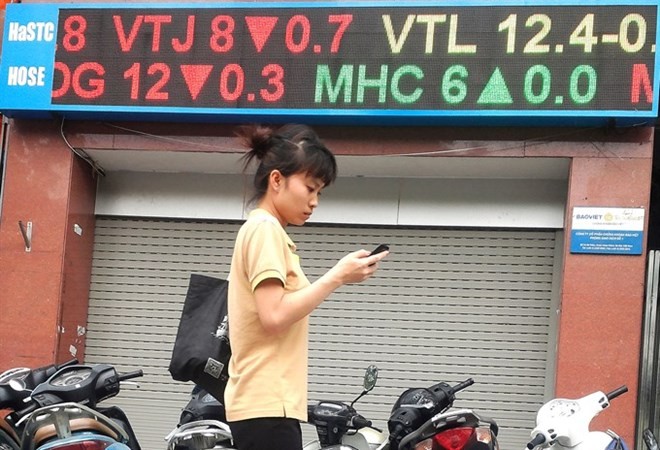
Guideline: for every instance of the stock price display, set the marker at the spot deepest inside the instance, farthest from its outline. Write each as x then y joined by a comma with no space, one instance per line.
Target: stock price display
383,62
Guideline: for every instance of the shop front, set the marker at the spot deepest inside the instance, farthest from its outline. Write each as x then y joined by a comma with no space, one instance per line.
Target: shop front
517,230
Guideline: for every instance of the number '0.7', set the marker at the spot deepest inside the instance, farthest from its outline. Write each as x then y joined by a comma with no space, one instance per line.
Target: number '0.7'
296,37
631,34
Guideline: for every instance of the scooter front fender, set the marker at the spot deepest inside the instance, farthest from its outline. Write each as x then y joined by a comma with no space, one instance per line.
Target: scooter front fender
595,440
364,439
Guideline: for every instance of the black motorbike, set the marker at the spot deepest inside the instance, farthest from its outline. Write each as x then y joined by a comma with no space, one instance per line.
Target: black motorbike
422,419
62,413
16,386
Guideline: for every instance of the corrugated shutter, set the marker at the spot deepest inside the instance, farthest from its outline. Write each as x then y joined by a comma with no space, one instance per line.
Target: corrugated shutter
444,306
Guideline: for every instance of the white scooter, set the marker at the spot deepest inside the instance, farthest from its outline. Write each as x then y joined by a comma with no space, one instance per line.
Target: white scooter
564,424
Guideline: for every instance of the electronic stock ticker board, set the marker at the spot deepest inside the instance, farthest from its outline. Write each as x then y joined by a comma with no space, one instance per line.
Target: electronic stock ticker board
443,62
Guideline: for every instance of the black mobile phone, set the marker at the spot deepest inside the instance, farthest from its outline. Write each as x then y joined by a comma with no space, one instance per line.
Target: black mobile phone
381,248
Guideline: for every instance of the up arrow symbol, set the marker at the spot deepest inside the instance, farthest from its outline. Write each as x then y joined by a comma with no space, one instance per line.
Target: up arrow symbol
496,91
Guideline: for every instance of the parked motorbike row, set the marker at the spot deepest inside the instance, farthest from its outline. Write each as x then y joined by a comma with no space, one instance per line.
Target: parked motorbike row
56,407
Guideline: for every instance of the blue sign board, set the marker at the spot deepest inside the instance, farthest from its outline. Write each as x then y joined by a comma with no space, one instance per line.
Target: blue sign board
616,231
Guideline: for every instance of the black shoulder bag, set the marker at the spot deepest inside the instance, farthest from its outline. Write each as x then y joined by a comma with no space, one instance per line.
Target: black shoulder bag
201,349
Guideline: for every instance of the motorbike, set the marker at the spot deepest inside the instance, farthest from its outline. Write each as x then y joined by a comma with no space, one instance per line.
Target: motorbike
340,427
564,423
62,413
202,425
15,386
421,419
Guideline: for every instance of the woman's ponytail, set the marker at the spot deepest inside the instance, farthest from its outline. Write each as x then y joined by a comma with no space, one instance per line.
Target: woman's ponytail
259,141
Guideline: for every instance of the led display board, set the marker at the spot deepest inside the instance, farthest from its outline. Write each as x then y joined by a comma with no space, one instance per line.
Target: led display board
444,62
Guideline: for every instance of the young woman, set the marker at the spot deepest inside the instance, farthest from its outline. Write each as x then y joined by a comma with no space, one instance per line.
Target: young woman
270,298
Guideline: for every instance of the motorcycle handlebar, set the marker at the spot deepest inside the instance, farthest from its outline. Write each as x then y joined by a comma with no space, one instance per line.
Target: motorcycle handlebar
130,375
88,394
358,422
538,440
18,415
462,385
616,392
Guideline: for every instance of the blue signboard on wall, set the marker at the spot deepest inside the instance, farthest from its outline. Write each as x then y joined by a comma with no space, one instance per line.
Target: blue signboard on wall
451,62
613,231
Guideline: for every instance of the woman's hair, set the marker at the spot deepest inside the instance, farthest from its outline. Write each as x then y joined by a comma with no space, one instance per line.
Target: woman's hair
290,149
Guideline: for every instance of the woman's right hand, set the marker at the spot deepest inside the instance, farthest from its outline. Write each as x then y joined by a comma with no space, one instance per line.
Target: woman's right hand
356,267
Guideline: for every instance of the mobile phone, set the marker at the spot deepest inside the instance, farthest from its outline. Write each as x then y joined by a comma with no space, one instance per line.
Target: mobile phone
381,248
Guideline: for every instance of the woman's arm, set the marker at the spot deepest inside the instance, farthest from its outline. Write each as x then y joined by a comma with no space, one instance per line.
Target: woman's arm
278,311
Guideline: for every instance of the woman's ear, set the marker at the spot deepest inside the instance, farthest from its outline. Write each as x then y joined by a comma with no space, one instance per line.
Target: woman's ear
275,180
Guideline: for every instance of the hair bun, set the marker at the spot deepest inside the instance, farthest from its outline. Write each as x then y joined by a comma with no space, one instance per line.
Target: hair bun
257,138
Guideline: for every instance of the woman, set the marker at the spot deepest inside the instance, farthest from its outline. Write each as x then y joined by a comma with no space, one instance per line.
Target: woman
270,298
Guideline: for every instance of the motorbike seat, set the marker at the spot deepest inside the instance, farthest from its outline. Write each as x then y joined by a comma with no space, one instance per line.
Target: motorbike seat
80,424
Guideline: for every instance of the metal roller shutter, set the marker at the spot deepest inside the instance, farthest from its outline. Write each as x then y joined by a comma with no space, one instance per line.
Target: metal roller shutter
444,306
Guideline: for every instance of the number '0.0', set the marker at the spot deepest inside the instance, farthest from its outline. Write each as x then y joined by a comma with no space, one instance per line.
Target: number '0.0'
537,84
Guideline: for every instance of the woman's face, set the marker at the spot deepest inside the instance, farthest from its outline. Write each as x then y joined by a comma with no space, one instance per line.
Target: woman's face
296,197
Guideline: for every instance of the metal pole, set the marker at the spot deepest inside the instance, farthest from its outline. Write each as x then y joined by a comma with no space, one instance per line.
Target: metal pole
649,400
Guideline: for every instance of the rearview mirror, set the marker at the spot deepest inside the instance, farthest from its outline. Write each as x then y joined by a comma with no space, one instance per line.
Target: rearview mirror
370,377
19,372
17,384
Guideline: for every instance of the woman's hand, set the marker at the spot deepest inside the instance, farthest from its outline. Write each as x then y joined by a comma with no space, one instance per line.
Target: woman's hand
356,267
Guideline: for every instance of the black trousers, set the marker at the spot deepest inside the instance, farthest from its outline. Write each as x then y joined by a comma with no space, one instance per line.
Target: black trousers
268,433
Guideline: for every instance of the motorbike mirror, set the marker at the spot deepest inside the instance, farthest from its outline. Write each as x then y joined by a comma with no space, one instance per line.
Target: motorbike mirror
370,377
17,384
17,373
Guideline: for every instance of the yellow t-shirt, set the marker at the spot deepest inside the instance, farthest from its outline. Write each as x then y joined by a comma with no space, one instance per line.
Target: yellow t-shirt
267,373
